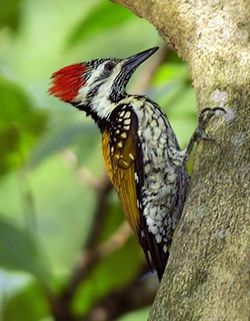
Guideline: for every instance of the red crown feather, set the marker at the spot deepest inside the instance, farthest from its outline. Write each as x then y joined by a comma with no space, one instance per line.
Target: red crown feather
67,81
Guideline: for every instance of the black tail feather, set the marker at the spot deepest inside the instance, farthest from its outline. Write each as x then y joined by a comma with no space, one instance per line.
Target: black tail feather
154,252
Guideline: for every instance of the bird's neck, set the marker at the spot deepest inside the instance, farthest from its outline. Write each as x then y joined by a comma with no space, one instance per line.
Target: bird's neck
100,106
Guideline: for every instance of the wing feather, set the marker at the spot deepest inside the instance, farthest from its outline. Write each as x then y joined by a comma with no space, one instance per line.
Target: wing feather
120,165
125,168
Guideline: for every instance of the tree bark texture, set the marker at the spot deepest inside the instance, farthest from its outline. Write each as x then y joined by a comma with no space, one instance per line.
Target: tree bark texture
207,277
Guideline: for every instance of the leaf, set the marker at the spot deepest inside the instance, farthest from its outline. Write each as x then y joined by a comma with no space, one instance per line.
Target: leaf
109,275
55,140
20,125
171,72
64,207
20,251
103,16
139,315
9,13
28,304
114,219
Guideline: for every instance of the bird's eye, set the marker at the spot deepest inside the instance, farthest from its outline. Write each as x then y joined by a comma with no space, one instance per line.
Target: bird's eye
109,66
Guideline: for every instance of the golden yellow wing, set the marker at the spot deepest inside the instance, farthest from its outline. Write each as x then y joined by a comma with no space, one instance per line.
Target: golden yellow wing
120,164
123,161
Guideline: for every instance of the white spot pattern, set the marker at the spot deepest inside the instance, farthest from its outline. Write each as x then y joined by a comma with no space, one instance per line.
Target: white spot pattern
162,159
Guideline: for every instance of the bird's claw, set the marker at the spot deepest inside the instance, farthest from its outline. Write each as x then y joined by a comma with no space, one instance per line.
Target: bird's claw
205,115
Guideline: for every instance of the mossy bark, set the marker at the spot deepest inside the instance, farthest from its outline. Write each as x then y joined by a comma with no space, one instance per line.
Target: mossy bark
207,278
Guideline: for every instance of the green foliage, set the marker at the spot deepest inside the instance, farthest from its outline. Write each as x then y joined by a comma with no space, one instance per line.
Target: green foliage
19,250
46,202
28,304
20,125
108,275
63,215
104,15
9,13
102,281
140,315
114,218
57,139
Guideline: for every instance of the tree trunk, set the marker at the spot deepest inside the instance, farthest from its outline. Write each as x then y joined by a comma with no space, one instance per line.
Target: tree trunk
207,275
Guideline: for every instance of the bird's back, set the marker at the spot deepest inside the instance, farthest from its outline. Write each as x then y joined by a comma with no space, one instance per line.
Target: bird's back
164,183
152,187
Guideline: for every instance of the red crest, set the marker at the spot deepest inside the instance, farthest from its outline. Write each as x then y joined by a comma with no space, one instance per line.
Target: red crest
67,81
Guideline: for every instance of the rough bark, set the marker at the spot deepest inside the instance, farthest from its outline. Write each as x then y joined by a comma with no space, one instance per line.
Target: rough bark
207,278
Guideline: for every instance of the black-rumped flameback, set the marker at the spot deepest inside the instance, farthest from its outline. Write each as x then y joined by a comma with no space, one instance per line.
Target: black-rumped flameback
140,149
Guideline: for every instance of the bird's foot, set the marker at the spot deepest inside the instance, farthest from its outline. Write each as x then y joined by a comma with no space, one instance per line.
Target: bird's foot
203,120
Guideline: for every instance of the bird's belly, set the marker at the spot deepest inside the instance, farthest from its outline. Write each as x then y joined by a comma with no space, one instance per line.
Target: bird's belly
159,194
161,176
160,188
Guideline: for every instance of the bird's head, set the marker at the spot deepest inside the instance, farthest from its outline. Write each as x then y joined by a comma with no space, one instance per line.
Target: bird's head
97,85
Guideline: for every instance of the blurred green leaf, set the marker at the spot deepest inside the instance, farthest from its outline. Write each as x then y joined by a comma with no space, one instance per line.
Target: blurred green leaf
62,137
64,207
9,13
20,125
103,16
114,218
20,251
171,72
102,280
29,304
140,315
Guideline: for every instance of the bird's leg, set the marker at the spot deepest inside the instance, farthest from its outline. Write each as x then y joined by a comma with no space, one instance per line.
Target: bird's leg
200,132
179,157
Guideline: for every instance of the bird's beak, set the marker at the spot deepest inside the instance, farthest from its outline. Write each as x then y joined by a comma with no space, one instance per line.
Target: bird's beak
132,62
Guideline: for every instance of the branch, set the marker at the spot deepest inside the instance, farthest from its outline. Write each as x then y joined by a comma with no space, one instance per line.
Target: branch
136,295
61,304
87,177
93,255
104,189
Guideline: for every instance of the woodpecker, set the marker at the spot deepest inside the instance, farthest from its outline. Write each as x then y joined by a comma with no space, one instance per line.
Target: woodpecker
141,153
